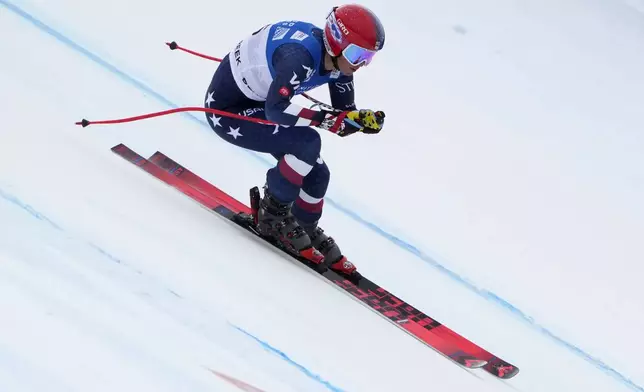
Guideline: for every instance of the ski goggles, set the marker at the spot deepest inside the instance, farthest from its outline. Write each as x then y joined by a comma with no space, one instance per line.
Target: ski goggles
356,55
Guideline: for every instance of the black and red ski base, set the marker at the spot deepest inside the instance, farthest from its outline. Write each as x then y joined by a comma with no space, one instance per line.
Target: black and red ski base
403,315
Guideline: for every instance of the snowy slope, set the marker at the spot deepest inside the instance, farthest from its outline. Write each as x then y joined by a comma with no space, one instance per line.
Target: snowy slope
530,167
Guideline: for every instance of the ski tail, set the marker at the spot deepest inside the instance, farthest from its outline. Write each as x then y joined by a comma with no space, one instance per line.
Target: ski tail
198,183
158,172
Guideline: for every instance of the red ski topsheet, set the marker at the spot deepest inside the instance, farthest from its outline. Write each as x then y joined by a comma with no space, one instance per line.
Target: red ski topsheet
198,183
402,314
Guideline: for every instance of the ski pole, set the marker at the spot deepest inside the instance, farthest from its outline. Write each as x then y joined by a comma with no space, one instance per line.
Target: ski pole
84,122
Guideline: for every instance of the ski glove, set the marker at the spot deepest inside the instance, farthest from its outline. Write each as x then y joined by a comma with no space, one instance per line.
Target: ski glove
350,122
371,122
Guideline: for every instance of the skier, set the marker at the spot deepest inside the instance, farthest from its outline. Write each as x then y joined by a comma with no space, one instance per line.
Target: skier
258,79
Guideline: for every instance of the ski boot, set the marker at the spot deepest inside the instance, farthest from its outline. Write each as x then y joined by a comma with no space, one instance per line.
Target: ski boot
332,255
274,220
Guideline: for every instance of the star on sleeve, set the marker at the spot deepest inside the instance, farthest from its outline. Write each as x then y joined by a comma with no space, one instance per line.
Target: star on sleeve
210,99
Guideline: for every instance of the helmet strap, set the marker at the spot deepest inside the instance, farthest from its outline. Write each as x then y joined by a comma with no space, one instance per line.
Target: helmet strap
334,60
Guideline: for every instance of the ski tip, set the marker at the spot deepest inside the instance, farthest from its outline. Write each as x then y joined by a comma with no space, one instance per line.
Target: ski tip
501,368
504,371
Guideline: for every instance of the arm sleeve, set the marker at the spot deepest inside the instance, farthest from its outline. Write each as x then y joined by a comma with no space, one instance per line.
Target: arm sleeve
290,62
342,93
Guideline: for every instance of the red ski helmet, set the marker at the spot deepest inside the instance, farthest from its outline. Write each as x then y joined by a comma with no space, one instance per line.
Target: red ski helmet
355,32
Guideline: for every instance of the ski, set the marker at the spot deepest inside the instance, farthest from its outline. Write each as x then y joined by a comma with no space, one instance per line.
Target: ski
406,317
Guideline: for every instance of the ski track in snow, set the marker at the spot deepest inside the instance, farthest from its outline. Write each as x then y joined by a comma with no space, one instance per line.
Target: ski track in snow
148,289
286,358
14,358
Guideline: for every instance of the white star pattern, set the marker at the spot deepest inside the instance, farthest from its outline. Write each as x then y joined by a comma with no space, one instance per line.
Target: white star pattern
215,121
210,99
234,132
277,129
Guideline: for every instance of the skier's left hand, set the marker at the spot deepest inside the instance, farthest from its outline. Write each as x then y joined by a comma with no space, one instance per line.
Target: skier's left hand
349,122
372,122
